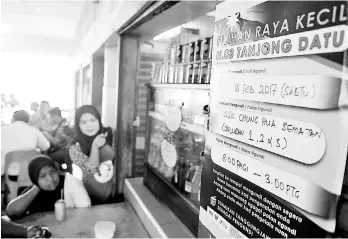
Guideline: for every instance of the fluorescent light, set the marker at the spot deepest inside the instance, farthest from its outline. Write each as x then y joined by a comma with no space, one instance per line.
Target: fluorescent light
211,14
168,34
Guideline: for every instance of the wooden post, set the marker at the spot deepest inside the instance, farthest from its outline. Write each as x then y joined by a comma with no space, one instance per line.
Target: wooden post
97,82
125,134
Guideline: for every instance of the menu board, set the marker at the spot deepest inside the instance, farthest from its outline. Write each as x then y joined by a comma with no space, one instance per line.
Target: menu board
277,142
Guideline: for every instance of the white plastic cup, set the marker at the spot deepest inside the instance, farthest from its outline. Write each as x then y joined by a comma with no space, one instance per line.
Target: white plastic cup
60,210
104,229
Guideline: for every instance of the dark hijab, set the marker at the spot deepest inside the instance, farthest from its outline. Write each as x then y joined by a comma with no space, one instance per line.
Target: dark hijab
35,166
84,140
45,200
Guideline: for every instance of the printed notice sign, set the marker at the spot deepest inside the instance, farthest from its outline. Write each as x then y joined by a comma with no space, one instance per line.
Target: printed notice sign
271,30
168,153
278,131
173,118
249,209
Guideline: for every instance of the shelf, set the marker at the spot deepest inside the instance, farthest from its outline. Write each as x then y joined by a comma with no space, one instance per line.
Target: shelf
189,63
181,86
187,126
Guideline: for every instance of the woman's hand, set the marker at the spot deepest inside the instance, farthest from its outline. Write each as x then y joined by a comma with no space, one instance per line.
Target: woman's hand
39,231
100,140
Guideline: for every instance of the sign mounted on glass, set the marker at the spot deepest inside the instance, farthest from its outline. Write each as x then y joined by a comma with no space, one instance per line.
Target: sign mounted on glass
278,120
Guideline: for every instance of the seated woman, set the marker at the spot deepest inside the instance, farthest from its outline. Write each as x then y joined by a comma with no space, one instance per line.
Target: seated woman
91,151
47,189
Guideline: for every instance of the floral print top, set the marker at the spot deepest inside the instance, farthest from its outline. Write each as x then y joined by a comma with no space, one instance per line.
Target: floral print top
81,160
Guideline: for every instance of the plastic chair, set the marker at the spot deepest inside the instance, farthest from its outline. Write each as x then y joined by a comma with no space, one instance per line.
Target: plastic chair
22,158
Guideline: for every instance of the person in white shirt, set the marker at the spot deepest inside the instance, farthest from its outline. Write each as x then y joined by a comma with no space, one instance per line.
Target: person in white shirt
20,136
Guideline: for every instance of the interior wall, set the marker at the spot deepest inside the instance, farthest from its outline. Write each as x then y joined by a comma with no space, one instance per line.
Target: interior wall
108,18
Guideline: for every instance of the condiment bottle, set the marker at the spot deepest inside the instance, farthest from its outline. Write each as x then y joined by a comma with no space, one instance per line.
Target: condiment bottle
181,173
60,209
189,177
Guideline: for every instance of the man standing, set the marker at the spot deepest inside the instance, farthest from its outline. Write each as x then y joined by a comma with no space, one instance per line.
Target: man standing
60,138
35,118
61,134
44,124
21,136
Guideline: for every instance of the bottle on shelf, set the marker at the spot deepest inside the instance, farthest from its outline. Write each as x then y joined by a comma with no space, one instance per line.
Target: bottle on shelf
206,48
188,63
168,172
184,174
191,57
199,192
175,178
179,54
189,177
181,173
197,54
196,180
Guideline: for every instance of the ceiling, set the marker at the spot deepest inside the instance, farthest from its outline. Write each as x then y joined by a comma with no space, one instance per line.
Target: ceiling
47,26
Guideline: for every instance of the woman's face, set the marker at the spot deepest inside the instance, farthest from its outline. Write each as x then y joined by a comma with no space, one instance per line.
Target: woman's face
89,124
48,178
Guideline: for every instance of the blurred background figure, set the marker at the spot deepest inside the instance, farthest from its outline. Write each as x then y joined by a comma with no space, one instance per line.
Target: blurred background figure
20,136
62,134
8,105
44,124
60,138
35,118
44,107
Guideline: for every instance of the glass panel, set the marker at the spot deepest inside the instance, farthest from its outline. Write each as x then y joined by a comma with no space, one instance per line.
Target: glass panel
186,173
177,154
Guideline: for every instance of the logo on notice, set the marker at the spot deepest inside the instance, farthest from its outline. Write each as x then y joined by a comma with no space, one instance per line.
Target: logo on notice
213,201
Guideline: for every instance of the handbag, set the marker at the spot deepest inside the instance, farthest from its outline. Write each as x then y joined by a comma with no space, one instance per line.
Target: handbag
101,186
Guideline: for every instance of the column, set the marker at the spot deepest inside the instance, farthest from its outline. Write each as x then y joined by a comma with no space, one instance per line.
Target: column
110,87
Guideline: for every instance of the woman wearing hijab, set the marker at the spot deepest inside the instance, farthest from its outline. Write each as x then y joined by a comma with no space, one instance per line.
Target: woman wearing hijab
91,150
49,186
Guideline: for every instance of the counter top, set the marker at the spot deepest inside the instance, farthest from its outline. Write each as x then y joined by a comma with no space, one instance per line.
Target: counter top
79,222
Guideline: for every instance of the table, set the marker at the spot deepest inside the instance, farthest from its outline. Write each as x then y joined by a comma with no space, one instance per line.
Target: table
79,222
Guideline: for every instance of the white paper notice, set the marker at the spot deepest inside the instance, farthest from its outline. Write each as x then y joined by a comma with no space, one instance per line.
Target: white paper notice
300,141
169,153
311,91
173,118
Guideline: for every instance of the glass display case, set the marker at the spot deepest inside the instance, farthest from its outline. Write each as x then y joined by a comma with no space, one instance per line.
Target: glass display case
176,116
175,56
